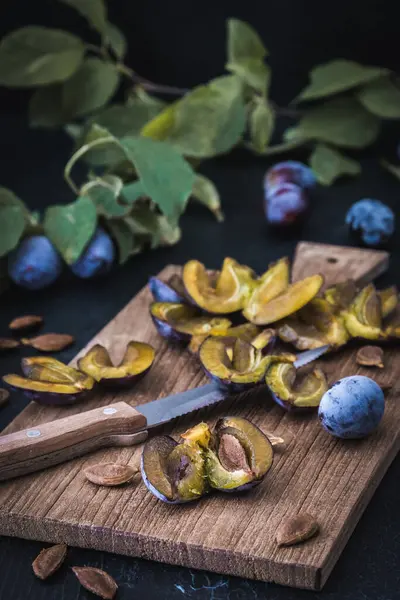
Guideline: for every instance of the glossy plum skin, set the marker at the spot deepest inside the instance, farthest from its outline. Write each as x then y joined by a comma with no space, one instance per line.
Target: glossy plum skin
352,408
371,222
97,258
285,205
35,264
289,171
163,292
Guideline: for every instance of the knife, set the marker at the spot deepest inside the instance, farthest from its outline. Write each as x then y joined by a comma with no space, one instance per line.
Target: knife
117,424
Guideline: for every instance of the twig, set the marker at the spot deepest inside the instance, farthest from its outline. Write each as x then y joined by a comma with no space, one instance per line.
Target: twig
149,85
283,111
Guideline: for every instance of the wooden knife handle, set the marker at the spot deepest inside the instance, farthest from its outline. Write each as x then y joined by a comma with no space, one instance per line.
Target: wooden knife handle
49,444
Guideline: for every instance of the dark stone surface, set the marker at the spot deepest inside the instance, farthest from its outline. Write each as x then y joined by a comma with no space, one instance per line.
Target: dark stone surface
298,36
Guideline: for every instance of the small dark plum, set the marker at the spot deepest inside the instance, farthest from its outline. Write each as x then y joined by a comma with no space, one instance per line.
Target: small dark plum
289,171
97,258
35,264
352,408
371,222
285,205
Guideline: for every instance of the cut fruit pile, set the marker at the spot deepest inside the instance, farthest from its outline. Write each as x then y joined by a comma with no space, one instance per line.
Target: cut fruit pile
49,381
236,352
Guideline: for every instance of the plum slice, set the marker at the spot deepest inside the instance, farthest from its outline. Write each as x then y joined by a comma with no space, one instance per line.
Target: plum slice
292,391
363,318
235,367
341,295
227,293
174,473
49,381
167,291
389,298
313,326
246,332
179,322
137,360
47,368
241,457
272,283
290,301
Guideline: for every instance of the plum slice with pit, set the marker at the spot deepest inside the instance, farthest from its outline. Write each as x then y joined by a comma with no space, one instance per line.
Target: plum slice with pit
294,391
241,456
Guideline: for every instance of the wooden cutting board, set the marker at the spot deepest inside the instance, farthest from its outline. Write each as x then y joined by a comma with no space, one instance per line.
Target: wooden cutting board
229,534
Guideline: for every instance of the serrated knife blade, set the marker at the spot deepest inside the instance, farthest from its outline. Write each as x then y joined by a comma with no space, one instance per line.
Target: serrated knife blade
168,408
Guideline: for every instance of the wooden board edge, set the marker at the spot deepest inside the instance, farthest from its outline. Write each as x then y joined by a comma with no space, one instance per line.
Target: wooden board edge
191,556
163,551
357,512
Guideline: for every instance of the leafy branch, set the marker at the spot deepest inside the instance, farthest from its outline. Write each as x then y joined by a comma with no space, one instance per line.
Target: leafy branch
141,153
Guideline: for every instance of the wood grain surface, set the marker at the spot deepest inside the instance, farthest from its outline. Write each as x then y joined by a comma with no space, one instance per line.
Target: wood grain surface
231,534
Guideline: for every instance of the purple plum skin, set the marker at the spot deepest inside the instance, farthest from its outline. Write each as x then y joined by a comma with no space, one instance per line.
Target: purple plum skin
163,292
289,407
35,264
52,398
168,332
371,222
352,408
123,382
98,257
289,171
285,205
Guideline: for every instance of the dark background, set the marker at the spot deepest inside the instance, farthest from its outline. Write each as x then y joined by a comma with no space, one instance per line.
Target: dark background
182,43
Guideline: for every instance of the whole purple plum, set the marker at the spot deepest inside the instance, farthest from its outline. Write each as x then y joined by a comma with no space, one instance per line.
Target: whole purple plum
289,171
352,408
35,264
371,222
285,205
97,258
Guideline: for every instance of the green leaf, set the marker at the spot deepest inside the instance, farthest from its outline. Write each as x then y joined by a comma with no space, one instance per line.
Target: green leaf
104,193
74,131
278,148
393,169
45,107
205,192
98,154
210,120
382,98
246,54
125,239
166,177
123,120
262,121
139,95
341,122
90,88
70,227
38,56
254,72
94,11
329,164
243,42
116,40
13,220
132,192
338,76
